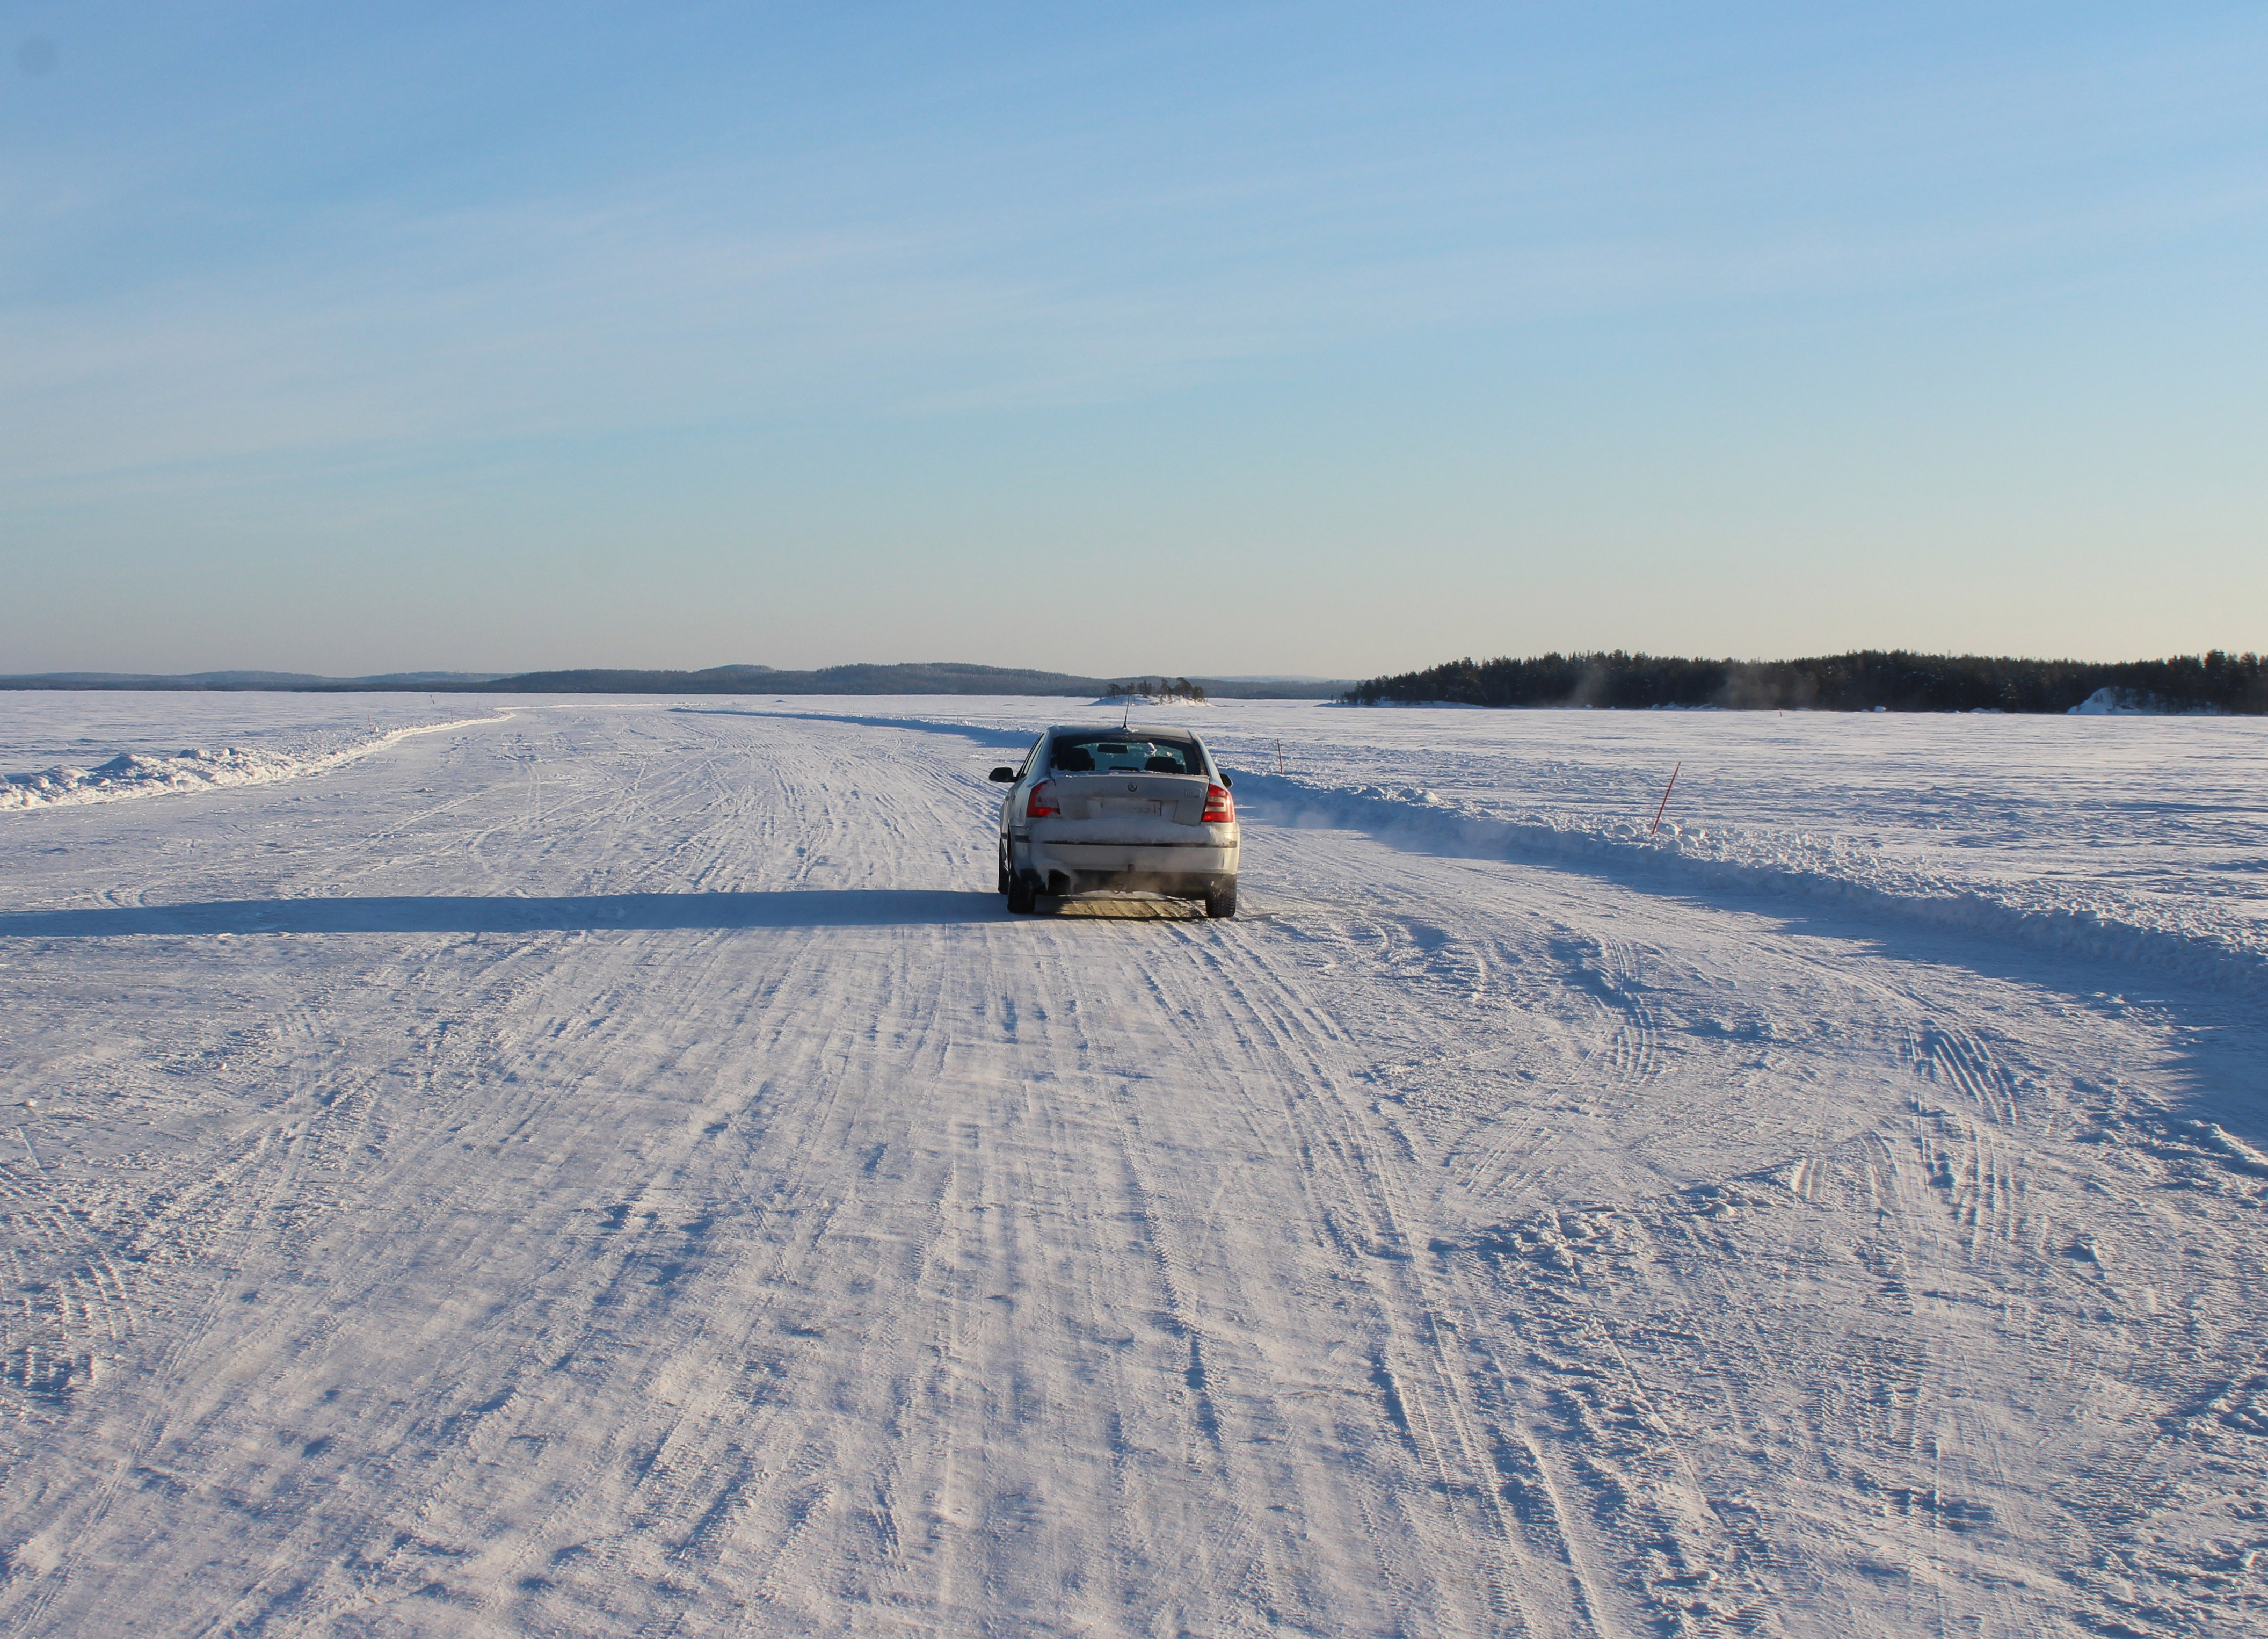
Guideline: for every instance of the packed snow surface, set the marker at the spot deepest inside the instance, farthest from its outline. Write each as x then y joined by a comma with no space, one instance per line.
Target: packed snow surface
618,1169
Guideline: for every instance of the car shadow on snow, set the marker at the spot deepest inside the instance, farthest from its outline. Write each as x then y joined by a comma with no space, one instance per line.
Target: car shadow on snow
818,907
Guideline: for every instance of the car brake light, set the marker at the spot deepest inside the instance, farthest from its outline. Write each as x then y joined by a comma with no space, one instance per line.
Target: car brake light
1039,804
1220,808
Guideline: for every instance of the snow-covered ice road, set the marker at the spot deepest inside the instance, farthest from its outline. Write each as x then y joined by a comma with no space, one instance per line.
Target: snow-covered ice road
619,1170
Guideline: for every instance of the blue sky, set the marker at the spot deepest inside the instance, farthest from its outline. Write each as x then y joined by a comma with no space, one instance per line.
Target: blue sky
1236,338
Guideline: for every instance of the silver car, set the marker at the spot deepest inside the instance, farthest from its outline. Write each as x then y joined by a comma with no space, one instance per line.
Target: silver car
1127,810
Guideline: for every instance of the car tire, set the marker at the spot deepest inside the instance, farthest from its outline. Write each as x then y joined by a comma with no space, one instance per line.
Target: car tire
1220,899
1023,895
1006,880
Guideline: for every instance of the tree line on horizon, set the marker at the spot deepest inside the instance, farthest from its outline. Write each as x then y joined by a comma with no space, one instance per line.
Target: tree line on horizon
1890,679
1163,689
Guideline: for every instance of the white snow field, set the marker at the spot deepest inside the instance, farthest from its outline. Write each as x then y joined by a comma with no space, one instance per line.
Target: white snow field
619,1170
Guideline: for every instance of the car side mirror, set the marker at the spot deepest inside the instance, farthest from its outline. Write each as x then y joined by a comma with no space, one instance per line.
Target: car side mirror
1002,776
1226,783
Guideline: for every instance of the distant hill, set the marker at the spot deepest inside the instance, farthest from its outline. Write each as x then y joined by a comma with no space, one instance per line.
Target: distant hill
932,677
439,681
935,677
1869,680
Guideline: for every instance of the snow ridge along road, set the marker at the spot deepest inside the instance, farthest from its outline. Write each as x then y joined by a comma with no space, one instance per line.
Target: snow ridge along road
201,768
617,1170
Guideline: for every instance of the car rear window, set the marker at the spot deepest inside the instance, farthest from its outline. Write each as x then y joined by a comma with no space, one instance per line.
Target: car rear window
1106,753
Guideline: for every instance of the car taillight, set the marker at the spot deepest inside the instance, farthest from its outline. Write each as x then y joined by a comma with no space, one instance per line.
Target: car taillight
1220,808
1041,803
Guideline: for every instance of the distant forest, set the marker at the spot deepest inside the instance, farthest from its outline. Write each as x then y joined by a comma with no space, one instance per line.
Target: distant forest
1893,681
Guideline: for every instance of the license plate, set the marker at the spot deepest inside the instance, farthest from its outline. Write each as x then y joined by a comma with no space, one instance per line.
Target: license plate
1126,807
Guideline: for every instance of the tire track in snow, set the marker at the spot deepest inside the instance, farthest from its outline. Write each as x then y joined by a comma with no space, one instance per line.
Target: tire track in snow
1425,1395
1954,1535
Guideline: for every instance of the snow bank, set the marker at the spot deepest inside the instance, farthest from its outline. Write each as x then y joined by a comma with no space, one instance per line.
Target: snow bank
1818,868
2135,703
143,774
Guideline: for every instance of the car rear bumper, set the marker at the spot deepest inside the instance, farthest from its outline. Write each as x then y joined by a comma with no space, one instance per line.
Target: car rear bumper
1189,868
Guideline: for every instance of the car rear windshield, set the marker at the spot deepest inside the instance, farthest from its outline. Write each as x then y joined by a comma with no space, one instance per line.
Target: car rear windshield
1106,753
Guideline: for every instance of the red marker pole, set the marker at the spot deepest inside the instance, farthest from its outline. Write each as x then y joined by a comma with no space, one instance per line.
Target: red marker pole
1666,790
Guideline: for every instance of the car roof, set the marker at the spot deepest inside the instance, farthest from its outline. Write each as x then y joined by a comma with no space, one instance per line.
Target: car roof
1129,731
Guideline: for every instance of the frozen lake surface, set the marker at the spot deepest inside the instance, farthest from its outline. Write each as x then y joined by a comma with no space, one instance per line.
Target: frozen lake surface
613,1167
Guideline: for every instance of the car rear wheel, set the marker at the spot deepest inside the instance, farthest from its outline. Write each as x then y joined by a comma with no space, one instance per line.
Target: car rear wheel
1023,894
1221,899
